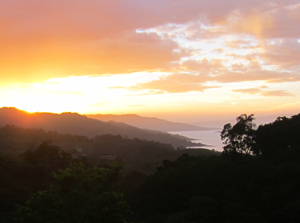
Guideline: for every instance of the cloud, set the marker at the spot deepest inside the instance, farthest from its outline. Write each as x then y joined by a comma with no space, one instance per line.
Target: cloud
177,83
111,56
249,91
62,38
263,86
258,75
274,93
149,92
135,105
239,43
284,54
48,39
285,22
183,82
202,66
278,93
267,21
219,50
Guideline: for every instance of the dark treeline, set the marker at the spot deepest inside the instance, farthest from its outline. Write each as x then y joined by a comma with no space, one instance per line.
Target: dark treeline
220,189
29,157
76,179
257,179
137,154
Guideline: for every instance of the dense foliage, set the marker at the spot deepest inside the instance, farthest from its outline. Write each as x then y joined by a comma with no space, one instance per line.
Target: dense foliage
279,138
256,179
78,194
234,187
136,153
28,157
221,189
239,138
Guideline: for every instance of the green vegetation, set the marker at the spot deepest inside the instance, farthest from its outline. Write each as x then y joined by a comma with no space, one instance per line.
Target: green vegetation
77,179
78,194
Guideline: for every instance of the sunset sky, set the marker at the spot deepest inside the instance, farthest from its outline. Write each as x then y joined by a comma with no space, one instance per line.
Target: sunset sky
182,60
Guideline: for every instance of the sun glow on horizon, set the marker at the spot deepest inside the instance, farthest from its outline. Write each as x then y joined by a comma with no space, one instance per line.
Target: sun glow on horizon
110,95
83,94
193,59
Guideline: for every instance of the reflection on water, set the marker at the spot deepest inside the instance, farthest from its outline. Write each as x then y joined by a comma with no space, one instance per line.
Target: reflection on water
211,138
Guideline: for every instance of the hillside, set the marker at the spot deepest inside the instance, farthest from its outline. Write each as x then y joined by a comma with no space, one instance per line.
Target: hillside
138,154
75,124
148,123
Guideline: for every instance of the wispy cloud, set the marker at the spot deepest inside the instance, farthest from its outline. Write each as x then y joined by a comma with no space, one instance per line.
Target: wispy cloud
278,93
177,83
274,93
135,105
101,37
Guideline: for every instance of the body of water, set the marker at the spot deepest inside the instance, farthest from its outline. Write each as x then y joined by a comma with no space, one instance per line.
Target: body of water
210,138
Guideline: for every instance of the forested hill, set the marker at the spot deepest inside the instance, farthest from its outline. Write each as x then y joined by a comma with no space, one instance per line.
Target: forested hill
75,124
255,179
149,123
140,155
28,158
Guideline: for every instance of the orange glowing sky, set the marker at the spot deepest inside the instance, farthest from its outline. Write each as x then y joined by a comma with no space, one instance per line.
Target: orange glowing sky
174,59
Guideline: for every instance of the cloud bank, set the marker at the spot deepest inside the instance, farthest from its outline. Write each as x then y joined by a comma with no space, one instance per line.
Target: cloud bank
154,48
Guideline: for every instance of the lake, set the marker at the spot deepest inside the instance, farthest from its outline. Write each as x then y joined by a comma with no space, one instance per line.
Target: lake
211,138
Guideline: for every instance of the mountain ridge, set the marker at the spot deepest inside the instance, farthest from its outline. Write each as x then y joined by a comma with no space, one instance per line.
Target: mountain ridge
76,124
151,123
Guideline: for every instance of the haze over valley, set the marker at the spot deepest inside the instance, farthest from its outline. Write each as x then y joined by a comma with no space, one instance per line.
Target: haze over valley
75,124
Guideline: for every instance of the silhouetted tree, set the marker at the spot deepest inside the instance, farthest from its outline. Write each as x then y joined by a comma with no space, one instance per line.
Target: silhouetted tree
279,138
239,138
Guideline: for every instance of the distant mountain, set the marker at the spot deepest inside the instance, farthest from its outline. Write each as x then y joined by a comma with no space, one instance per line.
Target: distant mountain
75,124
149,123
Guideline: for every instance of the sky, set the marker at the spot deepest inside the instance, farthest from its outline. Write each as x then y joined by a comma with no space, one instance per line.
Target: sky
184,60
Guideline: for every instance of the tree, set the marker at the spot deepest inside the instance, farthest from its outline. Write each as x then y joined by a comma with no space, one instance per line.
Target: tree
79,194
48,155
239,138
280,138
